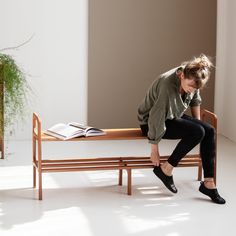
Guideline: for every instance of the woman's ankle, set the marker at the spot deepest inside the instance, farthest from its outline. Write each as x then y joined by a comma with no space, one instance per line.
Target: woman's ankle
167,168
209,183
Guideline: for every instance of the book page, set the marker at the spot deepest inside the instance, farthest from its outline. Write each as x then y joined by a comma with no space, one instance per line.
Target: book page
89,130
78,125
65,130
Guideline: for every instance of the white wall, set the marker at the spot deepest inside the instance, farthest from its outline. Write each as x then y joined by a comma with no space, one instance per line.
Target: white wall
225,94
55,58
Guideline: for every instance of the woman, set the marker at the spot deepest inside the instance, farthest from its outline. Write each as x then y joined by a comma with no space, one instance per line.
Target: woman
161,115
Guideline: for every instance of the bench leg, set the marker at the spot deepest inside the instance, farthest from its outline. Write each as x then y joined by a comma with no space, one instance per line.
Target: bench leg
34,162
199,172
129,182
40,186
120,177
34,177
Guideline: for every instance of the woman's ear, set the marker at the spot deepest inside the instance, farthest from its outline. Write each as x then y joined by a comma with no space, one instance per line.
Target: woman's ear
181,75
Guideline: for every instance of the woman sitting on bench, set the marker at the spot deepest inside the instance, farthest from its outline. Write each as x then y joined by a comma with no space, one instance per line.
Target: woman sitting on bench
161,115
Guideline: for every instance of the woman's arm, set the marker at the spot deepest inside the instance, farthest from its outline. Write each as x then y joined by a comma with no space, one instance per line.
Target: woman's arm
195,110
155,156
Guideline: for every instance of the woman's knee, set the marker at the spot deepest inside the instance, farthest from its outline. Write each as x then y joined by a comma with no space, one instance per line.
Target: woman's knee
210,131
199,132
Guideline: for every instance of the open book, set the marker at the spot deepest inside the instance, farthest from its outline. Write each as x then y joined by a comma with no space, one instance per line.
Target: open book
73,130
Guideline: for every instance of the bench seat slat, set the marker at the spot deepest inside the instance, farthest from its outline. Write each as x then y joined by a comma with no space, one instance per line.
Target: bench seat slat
115,167
111,134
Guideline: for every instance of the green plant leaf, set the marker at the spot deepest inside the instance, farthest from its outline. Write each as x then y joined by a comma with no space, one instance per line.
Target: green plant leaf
14,91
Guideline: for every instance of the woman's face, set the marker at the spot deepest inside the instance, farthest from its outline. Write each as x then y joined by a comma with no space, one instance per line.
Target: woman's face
188,85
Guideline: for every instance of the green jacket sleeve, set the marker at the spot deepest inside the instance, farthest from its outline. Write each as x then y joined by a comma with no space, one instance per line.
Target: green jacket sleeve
144,109
196,100
156,121
147,103
156,124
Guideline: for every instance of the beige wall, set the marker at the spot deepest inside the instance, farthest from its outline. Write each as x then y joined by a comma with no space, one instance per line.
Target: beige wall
225,95
133,41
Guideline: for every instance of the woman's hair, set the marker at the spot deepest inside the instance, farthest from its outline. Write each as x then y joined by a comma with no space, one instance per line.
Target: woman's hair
198,69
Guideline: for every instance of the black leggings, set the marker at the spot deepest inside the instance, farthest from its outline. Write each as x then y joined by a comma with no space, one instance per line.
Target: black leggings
191,131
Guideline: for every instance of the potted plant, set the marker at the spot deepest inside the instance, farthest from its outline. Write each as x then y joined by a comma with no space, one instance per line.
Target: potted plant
13,95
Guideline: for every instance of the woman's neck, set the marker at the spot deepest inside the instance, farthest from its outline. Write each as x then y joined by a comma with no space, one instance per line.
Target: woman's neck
182,92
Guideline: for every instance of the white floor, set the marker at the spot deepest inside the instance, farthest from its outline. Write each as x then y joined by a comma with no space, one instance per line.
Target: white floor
91,203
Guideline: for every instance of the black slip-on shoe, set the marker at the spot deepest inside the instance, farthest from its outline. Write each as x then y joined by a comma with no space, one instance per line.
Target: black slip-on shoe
212,193
167,180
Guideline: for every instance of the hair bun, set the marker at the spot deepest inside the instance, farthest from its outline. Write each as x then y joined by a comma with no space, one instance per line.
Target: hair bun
199,69
203,62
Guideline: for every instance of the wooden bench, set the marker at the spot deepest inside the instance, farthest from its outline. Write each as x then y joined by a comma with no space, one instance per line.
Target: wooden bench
41,165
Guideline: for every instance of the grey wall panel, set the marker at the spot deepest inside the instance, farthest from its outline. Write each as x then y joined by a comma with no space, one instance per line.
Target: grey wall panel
132,41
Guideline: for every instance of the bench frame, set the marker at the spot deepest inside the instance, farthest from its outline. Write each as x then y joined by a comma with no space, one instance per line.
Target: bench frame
41,165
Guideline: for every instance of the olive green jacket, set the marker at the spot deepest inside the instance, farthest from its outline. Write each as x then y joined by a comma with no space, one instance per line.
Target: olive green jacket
163,101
